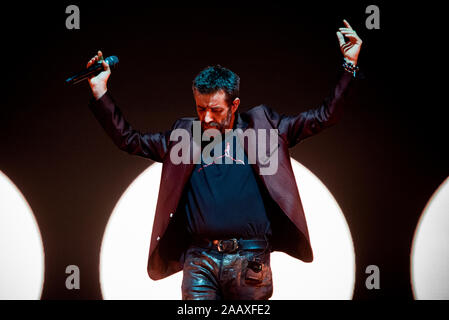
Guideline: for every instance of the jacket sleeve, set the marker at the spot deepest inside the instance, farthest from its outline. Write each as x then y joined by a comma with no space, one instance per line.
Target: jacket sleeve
149,145
296,128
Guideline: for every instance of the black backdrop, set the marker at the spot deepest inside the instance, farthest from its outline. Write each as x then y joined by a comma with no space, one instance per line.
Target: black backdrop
382,162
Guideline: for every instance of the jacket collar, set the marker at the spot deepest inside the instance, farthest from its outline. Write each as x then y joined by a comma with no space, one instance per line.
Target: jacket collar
239,122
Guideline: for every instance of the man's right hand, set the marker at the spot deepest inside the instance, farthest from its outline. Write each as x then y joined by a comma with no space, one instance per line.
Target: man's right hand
98,83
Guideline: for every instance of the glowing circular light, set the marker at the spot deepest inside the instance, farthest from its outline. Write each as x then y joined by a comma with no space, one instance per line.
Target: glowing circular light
21,249
124,252
430,250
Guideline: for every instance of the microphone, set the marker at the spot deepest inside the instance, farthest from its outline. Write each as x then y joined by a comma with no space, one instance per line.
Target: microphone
94,69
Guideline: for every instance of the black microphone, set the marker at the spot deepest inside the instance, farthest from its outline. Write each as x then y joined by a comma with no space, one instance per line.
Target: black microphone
94,69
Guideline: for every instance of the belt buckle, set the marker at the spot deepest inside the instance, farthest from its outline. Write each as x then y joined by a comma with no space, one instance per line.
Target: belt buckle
235,245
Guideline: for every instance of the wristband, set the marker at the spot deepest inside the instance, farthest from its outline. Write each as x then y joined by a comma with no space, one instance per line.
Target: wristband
350,67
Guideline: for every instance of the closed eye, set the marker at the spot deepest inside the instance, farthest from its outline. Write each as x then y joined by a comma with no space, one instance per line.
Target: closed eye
214,110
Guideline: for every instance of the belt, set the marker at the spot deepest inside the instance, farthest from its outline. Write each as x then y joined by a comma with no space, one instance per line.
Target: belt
232,245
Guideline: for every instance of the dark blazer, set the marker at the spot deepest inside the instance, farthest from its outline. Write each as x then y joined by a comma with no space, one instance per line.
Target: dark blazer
169,237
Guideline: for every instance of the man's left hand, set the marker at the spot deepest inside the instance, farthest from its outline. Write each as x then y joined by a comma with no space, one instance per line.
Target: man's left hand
351,47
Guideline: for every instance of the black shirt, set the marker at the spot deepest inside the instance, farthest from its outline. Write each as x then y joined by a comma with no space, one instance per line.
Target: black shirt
223,199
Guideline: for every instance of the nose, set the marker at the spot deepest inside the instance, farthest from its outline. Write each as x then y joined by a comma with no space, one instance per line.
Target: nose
207,117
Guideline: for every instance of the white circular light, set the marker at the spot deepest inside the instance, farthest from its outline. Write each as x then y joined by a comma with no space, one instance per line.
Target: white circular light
21,249
124,251
430,250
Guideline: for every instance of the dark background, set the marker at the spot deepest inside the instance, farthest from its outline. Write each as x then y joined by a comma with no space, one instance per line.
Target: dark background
382,162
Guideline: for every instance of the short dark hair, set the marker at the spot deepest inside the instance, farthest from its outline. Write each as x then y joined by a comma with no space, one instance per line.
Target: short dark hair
215,78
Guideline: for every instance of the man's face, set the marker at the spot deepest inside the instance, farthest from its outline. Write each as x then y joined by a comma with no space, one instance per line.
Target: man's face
213,110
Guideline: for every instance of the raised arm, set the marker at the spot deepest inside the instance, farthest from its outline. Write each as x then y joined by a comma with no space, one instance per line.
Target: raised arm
298,127
149,145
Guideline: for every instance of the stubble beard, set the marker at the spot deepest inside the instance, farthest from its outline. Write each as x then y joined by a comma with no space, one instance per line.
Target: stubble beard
221,126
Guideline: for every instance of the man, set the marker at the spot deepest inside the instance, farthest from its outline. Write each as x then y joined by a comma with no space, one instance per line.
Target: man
218,221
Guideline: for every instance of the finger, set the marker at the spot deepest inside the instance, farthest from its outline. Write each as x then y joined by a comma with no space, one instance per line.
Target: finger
353,37
341,39
346,46
347,24
91,61
350,34
100,55
105,65
347,31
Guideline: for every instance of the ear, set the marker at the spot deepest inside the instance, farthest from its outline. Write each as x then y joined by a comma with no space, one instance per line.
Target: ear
235,105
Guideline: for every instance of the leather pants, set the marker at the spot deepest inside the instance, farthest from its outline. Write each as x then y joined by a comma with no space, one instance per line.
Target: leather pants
212,275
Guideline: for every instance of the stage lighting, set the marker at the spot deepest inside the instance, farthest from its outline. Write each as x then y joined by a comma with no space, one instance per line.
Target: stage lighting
21,249
124,251
429,258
